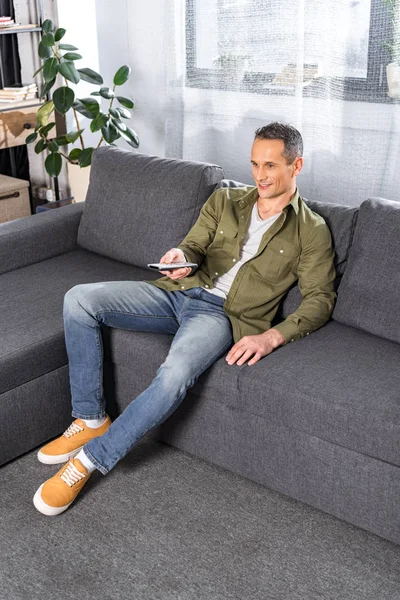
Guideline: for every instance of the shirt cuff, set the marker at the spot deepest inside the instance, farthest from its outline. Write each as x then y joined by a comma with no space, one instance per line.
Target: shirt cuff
289,330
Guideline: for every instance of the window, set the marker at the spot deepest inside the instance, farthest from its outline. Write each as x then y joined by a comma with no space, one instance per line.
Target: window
254,45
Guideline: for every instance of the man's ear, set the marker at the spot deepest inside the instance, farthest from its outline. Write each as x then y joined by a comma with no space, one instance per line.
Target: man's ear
298,165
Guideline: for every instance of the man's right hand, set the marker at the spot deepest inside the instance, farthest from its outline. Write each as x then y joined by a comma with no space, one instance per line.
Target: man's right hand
175,255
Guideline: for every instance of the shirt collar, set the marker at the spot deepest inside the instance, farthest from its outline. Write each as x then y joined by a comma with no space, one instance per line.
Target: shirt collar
252,196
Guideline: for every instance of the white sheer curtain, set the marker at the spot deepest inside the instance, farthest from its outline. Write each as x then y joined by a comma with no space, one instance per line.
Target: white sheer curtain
233,66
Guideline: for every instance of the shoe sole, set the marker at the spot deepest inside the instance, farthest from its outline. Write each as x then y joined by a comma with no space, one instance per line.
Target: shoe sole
56,459
45,509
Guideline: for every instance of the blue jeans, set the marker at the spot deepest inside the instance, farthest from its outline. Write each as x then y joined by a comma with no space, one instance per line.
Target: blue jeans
202,333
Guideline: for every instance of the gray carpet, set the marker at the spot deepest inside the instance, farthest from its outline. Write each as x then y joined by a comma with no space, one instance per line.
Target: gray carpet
164,525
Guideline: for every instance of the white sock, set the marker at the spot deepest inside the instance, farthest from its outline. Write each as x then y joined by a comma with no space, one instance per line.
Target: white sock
85,461
94,423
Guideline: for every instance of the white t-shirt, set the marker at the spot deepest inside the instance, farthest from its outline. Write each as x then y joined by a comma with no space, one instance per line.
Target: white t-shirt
255,232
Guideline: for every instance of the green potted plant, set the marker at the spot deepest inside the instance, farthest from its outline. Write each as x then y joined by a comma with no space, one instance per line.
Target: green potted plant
393,48
111,123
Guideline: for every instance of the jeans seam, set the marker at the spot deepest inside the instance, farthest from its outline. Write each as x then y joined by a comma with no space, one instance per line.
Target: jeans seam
121,312
178,318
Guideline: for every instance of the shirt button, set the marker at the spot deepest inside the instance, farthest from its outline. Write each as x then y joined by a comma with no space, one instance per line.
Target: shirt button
216,273
281,251
233,259
221,231
308,333
292,340
207,286
182,287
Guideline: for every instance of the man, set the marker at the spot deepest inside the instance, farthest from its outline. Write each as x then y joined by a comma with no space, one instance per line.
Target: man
250,244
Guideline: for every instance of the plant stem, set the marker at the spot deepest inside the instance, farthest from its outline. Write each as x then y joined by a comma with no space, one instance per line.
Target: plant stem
75,113
112,100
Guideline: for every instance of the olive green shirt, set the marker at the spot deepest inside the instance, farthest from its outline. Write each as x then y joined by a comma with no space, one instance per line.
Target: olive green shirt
297,247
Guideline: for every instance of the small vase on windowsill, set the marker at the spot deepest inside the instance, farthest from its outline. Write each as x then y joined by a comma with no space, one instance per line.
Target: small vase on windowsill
79,181
393,79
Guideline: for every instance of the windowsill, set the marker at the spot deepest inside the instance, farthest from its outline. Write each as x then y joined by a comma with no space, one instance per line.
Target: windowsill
384,117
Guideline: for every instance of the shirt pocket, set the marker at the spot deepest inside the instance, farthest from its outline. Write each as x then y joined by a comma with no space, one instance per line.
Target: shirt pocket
225,237
279,258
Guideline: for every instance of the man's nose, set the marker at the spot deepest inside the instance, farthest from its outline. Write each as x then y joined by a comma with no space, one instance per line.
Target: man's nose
261,174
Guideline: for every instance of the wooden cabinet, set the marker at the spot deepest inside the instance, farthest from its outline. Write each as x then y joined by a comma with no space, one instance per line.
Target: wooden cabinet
17,122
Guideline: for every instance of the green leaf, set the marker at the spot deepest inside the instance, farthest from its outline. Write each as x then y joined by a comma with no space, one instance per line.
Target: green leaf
119,125
68,70
45,130
48,39
85,157
62,140
95,94
99,122
114,113
75,154
40,146
72,56
47,26
63,98
125,102
46,88
72,136
131,137
31,138
53,146
91,76
87,106
53,164
122,75
44,112
110,133
38,71
44,51
105,92
59,34
67,47
125,114
50,69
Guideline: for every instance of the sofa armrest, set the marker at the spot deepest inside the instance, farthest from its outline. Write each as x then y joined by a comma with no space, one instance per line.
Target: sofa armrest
38,237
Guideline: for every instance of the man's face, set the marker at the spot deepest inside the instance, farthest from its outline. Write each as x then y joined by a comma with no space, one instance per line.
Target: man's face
273,176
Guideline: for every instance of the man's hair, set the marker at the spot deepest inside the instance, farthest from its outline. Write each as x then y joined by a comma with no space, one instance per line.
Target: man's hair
293,142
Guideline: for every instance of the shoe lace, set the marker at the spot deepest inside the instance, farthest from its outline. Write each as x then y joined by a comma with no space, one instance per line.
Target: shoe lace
71,474
72,430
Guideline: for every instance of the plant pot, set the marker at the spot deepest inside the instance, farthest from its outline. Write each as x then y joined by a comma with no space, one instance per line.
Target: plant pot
79,181
393,79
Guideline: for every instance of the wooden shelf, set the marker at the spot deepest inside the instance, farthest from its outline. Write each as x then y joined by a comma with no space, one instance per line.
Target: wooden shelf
10,106
20,29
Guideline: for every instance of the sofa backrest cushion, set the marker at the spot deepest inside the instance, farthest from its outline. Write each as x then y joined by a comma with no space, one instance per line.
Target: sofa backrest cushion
369,293
341,221
139,206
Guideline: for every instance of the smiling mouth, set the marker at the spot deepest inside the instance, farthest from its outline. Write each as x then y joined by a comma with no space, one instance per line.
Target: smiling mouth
264,185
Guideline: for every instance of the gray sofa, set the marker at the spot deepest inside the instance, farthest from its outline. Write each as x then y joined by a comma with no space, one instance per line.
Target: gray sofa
318,420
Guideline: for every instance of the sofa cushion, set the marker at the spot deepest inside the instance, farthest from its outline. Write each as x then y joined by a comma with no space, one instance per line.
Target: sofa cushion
369,294
139,206
339,384
147,351
32,333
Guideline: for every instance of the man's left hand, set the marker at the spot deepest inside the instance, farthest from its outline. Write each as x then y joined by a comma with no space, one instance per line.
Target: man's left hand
255,346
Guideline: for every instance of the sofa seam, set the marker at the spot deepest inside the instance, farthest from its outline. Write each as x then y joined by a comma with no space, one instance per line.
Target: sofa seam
33,379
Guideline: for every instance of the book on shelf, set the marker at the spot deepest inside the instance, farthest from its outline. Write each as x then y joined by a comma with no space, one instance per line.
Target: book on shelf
18,92
20,88
6,22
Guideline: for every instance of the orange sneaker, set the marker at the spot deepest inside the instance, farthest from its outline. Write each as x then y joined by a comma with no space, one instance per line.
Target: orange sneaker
70,442
57,493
